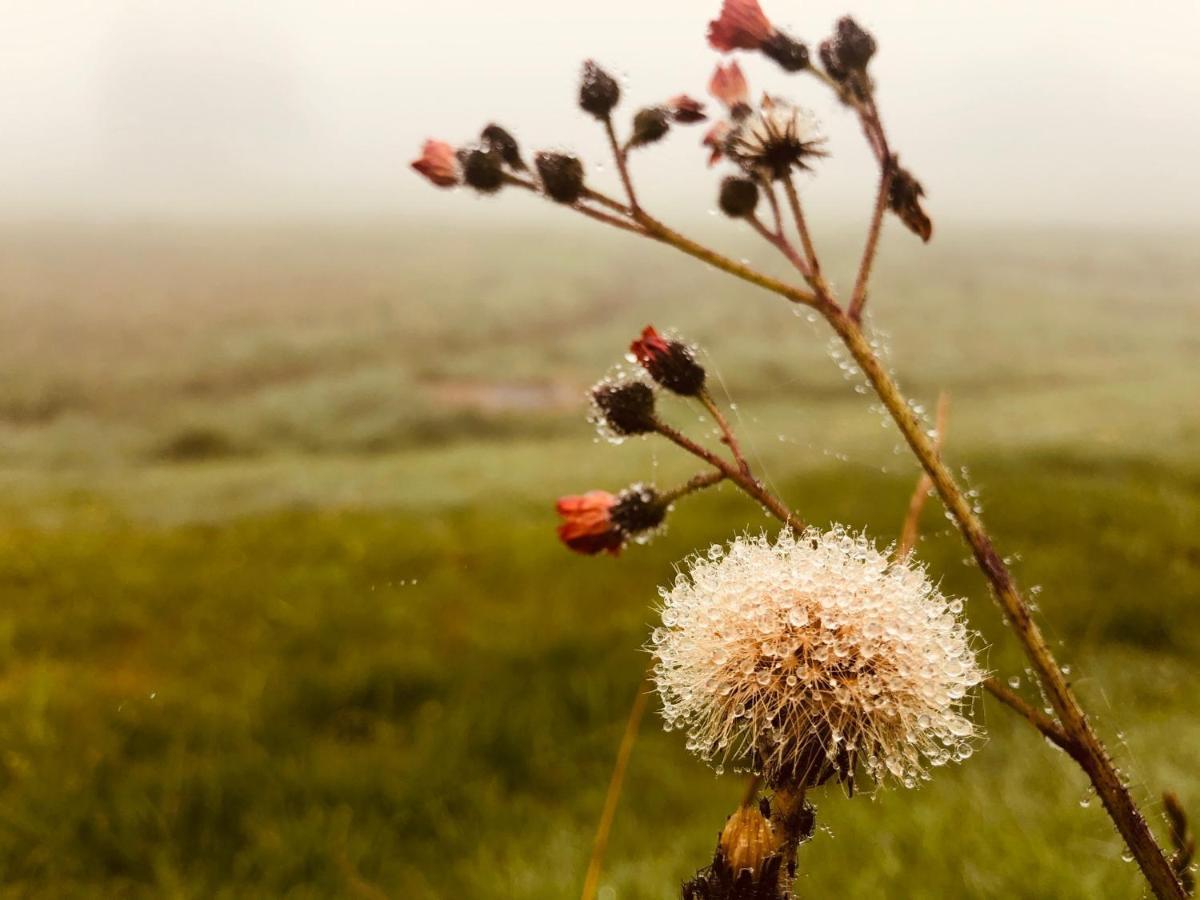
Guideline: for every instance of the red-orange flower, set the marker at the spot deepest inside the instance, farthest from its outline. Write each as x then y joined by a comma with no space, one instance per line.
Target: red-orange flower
587,525
728,85
742,25
438,164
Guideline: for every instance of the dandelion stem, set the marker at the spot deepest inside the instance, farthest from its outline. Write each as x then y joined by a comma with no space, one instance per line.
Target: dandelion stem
591,880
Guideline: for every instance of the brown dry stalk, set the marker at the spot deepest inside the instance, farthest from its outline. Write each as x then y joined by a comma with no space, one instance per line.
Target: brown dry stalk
616,782
912,519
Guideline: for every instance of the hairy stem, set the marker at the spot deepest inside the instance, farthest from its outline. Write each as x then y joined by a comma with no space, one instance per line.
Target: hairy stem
727,436
859,298
810,252
621,160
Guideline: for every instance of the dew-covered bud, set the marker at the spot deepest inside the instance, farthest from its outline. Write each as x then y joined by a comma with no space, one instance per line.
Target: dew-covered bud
626,408
481,169
671,363
598,91
855,46
649,125
790,54
739,196
747,840
747,863
829,59
500,141
561,175
638,510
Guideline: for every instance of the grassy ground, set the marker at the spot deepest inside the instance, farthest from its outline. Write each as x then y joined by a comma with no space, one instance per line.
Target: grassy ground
283,613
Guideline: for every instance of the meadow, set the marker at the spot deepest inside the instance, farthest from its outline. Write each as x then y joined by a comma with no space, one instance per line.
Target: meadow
282,612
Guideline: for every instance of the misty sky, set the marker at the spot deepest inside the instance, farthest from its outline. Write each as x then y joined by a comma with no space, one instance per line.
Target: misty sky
1077,112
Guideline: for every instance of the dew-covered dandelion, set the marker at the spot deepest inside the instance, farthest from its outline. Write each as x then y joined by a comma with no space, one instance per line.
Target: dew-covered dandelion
815,656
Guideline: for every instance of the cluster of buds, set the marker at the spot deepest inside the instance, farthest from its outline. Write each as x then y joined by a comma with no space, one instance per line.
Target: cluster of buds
599,95
598,521
482,166
742,25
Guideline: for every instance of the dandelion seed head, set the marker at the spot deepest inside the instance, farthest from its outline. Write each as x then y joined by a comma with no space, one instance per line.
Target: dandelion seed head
774,139
815,656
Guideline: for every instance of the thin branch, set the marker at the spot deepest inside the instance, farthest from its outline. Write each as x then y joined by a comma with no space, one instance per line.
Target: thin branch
746,482
727,436
859,298
814,265
1038,719
692,485
778,240
591,880
620,158
912,519
607,219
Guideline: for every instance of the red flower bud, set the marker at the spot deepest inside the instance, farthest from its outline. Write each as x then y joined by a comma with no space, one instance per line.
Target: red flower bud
685,110
741,26
438,164
587,525
670,363
715,141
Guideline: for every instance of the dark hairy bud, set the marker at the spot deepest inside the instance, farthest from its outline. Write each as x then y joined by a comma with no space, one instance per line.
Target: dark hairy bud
739,196
598,91
500,141
638,509
627,408
854,45
829,59
650,125
481,169
904,198
561,176
790,54
670,363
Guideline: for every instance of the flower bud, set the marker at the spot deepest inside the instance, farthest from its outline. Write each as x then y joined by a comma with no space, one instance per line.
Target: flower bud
598,91
649,125
746,840
561,175
481,169
670,363
627,408
739,196
437,164
638,509
686,110
855,46
829,59
500,141
790,54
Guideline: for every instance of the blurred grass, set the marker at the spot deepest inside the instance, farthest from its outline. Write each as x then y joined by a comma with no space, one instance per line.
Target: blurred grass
283,614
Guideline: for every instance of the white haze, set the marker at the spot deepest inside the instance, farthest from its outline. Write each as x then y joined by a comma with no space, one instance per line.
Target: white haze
1026,110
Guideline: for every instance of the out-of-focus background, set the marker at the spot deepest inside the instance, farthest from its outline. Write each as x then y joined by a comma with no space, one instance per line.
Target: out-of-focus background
281,427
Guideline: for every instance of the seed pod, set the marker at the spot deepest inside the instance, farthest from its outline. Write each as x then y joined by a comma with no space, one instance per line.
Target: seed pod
904,198
739,196
854,45
649,125
598,91
482,169
500,141
561,175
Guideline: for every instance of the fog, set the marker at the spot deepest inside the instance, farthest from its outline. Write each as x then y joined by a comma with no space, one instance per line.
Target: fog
1062,112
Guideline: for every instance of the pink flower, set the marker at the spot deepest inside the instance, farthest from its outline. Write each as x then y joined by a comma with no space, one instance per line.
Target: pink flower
587,525
438,164
741,26
728,85
715,141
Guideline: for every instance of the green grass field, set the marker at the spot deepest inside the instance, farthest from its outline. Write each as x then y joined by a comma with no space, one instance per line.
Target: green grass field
283,613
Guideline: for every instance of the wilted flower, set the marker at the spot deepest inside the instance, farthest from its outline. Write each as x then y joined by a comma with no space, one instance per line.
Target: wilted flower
598,521
671,363
738,197
501,142
775,139
685,110
742,25
437,163
812,656
624,407
728,85
561,176
904,198
598,91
